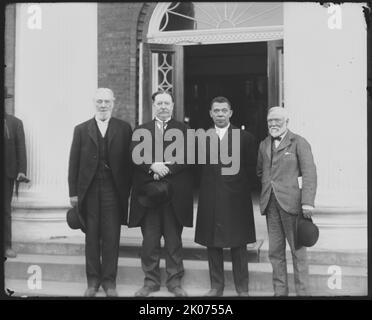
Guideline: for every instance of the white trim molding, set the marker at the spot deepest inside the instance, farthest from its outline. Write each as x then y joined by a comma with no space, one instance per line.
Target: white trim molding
190,37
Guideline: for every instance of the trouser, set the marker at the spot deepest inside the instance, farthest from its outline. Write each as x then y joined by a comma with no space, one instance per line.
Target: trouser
8,194
281,226
102,237
157,223
239,264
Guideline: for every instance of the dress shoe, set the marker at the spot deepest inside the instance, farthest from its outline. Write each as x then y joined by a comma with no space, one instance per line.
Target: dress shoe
145,291
90,292
243,294
10,253
214,293
178,292
111,292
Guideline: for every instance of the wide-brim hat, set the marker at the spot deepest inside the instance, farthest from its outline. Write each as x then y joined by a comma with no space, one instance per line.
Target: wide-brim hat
154,193
74,219
306,232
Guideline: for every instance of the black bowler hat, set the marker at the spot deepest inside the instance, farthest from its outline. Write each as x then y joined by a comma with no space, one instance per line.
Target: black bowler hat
155,193
306,232
74,219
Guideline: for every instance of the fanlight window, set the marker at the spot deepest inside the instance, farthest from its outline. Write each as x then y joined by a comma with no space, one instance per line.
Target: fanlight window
220,15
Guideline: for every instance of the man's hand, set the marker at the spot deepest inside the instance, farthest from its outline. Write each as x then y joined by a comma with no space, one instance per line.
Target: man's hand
160,169
307,210
21,177
74,201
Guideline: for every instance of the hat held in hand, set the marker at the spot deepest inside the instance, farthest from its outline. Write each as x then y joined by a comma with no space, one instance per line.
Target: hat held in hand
74,219
155,193
306,232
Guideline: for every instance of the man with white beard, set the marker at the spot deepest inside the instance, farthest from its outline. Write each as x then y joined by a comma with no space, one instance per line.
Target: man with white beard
288,175
99,184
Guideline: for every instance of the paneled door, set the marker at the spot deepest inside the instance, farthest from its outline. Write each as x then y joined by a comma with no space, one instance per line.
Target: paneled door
162,69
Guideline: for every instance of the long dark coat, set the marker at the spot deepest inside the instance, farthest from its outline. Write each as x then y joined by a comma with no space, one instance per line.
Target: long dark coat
225,212
83,162
180,178
14,147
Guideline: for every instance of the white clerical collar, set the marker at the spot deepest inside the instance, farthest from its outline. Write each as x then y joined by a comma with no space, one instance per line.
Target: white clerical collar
221,131
102,121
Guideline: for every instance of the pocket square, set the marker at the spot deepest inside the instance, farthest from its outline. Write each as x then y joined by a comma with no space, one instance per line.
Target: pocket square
288,153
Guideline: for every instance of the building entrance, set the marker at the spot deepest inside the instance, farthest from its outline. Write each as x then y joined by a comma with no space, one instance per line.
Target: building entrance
238,72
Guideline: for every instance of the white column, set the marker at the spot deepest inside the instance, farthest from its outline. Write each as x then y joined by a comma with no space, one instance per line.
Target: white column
325,74
55,79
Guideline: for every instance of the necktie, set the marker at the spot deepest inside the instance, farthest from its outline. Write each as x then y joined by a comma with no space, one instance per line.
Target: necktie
162,125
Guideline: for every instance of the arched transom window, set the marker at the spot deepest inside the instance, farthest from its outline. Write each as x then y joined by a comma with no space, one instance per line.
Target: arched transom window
213,21
220,15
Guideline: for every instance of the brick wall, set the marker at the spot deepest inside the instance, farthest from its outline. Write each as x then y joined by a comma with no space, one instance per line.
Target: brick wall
117,55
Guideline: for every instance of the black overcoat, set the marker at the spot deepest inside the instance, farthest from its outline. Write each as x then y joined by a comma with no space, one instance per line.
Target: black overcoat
180,178
83,161
14,147
225,212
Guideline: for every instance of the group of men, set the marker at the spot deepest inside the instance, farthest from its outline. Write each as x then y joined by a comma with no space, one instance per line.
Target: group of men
103,176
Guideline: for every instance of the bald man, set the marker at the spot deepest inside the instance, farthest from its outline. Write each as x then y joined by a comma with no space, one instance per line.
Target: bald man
288,175
99,183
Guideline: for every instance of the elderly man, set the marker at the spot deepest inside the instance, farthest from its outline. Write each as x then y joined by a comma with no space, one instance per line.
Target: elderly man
286,167
15,170
166,219
99,183
225,212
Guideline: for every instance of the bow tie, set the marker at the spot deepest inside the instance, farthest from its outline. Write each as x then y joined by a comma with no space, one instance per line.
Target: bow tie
279,138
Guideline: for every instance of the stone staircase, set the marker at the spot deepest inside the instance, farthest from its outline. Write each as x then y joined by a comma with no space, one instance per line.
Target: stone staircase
62,266
338,262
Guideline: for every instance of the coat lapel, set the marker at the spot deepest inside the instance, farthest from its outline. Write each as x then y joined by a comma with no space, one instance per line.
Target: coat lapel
286,142
92,131
268,146
111,131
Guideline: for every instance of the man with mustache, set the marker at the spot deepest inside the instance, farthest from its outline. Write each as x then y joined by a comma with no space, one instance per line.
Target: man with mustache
167,219
99,183
288,175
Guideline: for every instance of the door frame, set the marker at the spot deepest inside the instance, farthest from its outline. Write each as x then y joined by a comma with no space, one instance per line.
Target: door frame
178,39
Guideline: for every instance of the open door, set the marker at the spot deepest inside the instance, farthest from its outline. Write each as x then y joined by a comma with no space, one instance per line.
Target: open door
275,73
162,69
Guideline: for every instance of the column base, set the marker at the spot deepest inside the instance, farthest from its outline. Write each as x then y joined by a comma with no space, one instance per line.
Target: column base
41,223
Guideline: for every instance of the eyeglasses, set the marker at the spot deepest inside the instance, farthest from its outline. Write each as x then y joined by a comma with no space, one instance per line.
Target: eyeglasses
270,121
100,101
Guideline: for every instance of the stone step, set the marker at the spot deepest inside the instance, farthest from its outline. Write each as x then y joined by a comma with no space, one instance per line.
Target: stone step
320,256
131,248
20,288
72,269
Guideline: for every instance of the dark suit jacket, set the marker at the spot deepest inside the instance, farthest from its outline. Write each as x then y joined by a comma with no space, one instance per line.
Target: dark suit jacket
14,147
180,178
83,162
225,212
292,160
